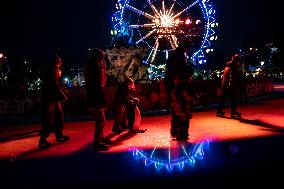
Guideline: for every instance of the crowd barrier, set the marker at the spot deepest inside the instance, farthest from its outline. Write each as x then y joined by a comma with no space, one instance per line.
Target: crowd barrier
152,97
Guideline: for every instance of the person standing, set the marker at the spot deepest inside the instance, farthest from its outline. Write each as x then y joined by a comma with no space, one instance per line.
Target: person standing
120,117
131,106
95,77
242,85
178,77
52,96
230,87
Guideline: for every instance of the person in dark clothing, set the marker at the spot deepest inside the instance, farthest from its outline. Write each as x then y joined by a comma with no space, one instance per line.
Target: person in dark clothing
120,117
95,77
131,105
52,96
178,77
126,97
230,87
242,85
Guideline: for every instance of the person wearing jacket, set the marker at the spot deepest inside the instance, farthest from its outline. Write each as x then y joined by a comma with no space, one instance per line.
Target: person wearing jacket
120,115
95,77
230,87
52,96
177,81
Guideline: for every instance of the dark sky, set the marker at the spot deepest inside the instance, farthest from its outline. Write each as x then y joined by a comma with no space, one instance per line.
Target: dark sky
43,27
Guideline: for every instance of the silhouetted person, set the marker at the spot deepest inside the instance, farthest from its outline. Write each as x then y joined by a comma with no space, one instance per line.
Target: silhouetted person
52,96
242,85
230,87
131,106
126,98
120,117
177,81
95,77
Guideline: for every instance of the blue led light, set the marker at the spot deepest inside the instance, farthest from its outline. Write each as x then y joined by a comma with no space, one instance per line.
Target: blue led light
189,155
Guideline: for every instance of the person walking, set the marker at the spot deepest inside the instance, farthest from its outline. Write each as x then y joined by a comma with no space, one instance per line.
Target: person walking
52,98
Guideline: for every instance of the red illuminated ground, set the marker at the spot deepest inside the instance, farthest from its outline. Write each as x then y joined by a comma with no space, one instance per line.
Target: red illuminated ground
261,119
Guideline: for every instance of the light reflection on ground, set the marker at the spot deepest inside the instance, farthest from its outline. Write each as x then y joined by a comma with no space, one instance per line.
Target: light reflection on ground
178,155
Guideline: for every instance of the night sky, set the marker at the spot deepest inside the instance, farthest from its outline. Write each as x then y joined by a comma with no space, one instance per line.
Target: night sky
39,28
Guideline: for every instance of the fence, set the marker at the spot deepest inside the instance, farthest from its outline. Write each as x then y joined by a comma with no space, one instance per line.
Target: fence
152,97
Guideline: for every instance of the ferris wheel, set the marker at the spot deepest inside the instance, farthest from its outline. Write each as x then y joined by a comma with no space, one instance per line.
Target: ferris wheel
160,25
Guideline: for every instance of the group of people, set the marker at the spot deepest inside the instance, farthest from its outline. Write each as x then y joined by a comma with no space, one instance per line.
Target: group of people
126,102
127,114
178,83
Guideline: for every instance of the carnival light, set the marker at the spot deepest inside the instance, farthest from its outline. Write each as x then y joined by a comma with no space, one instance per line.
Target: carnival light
188,21
262,63
164,19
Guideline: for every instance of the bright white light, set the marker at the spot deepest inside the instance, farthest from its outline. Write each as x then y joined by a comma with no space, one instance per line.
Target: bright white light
198,22
166,21
188,21
262,63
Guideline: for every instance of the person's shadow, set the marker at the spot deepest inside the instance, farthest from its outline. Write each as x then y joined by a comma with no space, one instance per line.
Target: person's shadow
19,136
265,125
122,137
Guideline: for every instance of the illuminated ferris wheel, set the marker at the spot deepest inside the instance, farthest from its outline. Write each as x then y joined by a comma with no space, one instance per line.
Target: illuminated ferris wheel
161,24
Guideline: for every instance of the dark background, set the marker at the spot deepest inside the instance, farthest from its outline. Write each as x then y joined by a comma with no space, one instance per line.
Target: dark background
37,29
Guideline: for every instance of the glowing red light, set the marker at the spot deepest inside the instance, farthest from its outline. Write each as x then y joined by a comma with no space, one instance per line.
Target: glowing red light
187,21
1,55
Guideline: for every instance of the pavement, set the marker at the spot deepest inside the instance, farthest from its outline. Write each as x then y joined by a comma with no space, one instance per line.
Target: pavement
220,152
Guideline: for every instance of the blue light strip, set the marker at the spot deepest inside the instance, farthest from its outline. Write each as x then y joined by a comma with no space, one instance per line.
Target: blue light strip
196,152
209,16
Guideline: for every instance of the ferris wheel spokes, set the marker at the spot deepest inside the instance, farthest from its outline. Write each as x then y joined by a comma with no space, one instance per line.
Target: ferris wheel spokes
173,41
153,52
186,9
156,46
171,9
142,26
140,12
146,36
154,8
